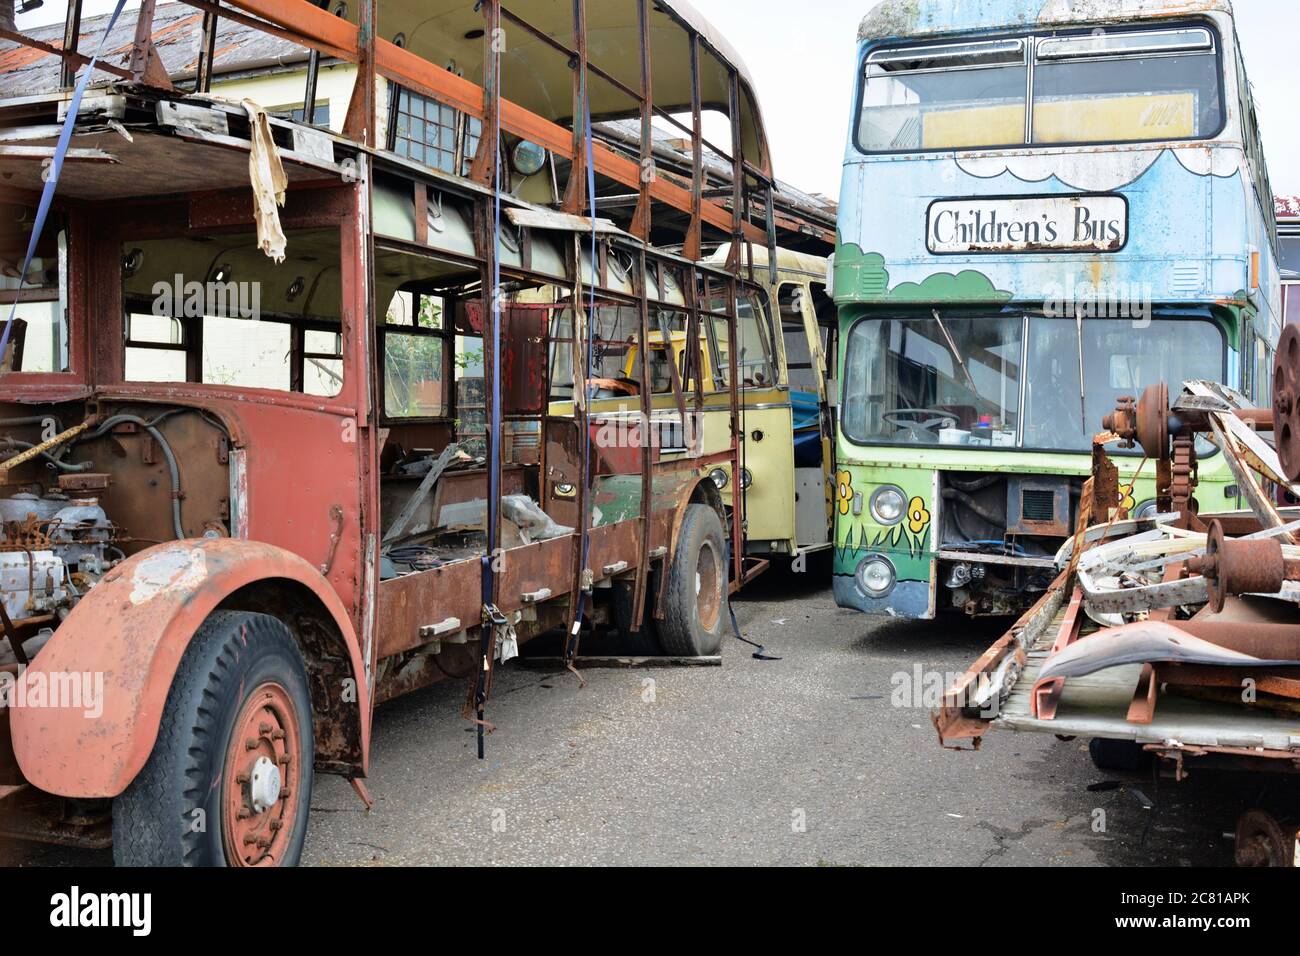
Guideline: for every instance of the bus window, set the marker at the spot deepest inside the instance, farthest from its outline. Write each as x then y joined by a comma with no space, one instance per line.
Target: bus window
1126,87
1137,86
1115,361
753,327
39,340
415,357
794,334
903,373
215,309
944,97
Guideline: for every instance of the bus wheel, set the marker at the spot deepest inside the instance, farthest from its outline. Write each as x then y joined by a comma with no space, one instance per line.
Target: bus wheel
229,780
696,608
1124,755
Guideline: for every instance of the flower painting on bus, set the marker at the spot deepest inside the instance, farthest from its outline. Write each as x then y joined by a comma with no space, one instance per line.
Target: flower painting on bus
1046,206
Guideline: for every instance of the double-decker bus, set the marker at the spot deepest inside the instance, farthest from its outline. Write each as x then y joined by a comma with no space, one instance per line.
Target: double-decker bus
1044,206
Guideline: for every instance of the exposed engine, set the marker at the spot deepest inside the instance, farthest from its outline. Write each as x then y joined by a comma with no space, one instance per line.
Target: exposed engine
53,547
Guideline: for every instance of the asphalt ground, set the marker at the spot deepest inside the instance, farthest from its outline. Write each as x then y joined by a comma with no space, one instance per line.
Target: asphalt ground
824,757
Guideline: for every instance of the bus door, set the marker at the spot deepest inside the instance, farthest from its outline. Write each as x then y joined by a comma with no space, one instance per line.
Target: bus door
805,343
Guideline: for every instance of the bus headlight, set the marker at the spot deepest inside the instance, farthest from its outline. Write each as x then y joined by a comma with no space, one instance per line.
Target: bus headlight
876,576
888,503
746,478
720,478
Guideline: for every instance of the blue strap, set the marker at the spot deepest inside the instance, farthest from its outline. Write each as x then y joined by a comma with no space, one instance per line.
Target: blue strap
56,167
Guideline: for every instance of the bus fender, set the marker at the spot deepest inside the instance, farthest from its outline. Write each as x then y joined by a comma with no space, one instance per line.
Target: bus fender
124,640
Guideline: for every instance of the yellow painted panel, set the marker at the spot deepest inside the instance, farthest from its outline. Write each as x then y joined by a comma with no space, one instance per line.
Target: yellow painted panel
977,126
1115,118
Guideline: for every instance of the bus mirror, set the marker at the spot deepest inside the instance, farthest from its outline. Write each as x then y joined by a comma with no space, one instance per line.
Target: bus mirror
833,393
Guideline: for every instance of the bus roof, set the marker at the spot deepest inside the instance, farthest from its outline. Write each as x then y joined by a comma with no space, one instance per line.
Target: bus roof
897,19
787,260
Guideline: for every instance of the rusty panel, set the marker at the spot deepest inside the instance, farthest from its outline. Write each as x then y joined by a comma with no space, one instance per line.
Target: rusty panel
415,600
523,362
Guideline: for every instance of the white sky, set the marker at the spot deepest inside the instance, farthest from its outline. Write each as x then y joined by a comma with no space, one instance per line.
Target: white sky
802,58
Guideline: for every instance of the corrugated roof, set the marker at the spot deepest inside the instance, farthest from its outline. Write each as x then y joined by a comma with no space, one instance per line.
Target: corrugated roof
177,31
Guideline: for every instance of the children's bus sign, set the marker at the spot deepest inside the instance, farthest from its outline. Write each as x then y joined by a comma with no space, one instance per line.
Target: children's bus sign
1028,224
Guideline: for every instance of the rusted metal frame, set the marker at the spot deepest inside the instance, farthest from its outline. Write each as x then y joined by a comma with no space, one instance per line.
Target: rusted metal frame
359,124
576,188
483,170
693,357
71,39
559,47
582,416
146,65
80,59
305,25
345,50
948,716
691,249
313,76
1048,695
738,190
207,51
648,450
737,435
704,140
642,216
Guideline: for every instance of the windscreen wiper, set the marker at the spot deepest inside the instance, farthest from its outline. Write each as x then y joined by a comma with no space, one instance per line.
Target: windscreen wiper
952,347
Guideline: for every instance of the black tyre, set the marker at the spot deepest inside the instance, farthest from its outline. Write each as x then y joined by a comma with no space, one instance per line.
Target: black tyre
695,612
1122,755
229,780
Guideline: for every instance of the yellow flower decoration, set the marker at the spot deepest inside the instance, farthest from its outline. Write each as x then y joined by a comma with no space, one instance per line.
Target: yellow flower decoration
1126,497
917,515
844,490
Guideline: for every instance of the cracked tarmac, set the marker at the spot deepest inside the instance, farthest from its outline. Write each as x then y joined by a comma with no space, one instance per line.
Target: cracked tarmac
802,761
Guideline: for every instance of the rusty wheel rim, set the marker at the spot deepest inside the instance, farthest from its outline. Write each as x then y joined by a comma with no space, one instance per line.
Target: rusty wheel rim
259,789
708,600
1286,396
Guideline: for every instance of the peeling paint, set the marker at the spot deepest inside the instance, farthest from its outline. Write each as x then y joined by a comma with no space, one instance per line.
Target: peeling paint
179,567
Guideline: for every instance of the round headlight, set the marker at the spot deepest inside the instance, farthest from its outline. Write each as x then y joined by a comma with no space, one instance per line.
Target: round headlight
1147,509
565,490
876,576
888,504
528,158
746,478
720,477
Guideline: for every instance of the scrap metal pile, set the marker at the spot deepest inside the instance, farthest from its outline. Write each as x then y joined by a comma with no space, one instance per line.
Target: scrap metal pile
1200,603
1177,632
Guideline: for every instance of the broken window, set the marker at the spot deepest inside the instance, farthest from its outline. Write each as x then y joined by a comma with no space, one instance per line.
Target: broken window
38,339
794,334
215,309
